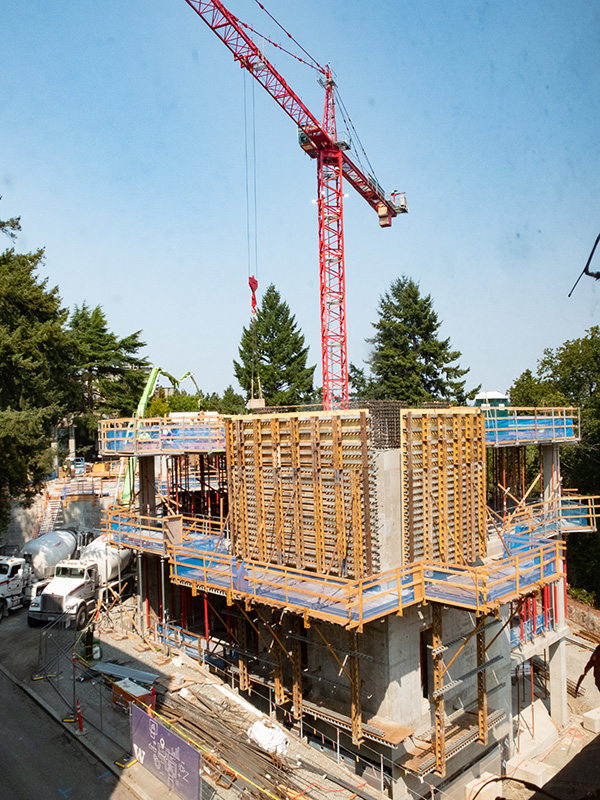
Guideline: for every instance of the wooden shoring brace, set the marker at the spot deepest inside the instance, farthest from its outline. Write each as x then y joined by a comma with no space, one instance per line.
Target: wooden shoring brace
297,484
278,653
340,510
277,489
261,532
317,494
357,528
296,655
242,654
482,706
355,690
438,683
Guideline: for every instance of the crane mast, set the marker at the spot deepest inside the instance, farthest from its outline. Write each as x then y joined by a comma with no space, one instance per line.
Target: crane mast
334,165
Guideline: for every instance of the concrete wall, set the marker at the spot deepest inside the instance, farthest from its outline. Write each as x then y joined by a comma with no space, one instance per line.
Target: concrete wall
24,523
85,513
388,471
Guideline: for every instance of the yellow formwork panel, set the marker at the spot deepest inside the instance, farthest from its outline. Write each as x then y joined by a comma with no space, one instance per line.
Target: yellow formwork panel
303,482
303,488
443,486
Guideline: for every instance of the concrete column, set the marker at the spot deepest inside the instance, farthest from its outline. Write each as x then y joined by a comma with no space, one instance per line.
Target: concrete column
557,663
147,488
551,479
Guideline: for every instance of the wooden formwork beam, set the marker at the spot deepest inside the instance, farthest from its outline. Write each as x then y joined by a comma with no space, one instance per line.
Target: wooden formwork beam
340,506
317,495
297,490
277,499
366,493
257,457
357,528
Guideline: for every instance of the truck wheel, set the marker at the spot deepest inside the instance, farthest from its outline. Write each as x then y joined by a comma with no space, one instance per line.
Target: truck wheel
81,618
3,611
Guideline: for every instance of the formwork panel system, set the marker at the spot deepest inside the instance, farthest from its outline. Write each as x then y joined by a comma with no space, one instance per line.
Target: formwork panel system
300,491
443,485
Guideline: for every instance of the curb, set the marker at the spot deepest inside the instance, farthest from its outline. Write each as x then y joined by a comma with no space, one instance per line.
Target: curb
128,782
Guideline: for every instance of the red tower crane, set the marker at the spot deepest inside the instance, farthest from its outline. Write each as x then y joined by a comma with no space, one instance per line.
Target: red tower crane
319,140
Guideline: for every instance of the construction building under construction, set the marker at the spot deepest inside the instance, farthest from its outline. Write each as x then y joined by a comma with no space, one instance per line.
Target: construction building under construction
373,576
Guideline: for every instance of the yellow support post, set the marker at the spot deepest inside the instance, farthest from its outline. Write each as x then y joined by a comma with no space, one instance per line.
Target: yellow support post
438,684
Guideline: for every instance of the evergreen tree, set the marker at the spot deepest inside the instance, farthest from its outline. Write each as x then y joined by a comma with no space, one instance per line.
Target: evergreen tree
10,226
36,375
408,361
110,374
272,352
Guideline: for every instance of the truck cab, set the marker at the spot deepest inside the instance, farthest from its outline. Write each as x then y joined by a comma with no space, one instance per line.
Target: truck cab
13,574
71,592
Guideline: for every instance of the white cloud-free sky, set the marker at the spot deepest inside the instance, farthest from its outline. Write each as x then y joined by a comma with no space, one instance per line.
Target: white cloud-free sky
122,147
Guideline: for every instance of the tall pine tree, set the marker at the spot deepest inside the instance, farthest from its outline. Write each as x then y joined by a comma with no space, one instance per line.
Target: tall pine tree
409,361
272,352
111,375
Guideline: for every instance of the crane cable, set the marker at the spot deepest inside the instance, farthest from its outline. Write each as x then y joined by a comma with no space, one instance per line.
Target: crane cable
252,234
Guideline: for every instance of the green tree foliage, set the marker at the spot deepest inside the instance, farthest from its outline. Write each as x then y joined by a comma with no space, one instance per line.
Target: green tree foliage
10,226
36,378
409,361
110,374
570,375
529,391
230,403
272,351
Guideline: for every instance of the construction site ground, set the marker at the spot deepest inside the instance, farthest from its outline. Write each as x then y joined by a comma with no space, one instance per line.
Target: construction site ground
303,768
572,755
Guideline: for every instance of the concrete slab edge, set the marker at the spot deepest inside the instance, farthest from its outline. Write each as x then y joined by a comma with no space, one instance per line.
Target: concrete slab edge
120,774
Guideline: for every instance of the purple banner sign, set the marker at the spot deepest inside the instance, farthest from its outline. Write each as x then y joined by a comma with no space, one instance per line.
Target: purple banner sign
172,760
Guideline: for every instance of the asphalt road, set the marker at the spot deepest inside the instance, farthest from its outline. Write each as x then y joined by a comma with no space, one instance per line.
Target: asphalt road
40,760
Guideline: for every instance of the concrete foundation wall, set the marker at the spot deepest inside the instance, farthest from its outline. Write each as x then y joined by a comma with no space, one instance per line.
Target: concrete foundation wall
24,523
85,513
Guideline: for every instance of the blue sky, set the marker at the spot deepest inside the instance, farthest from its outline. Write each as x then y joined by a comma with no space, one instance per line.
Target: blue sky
122,147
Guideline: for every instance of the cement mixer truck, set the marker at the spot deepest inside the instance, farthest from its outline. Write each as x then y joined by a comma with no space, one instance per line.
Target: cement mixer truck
79,584
25,575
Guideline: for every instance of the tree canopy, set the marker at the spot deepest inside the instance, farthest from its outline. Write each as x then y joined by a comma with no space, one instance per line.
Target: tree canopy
110,374
408,360
37,385
229,403
570,375
272,352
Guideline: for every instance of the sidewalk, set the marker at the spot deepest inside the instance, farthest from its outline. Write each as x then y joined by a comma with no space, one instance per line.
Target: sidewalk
141,783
